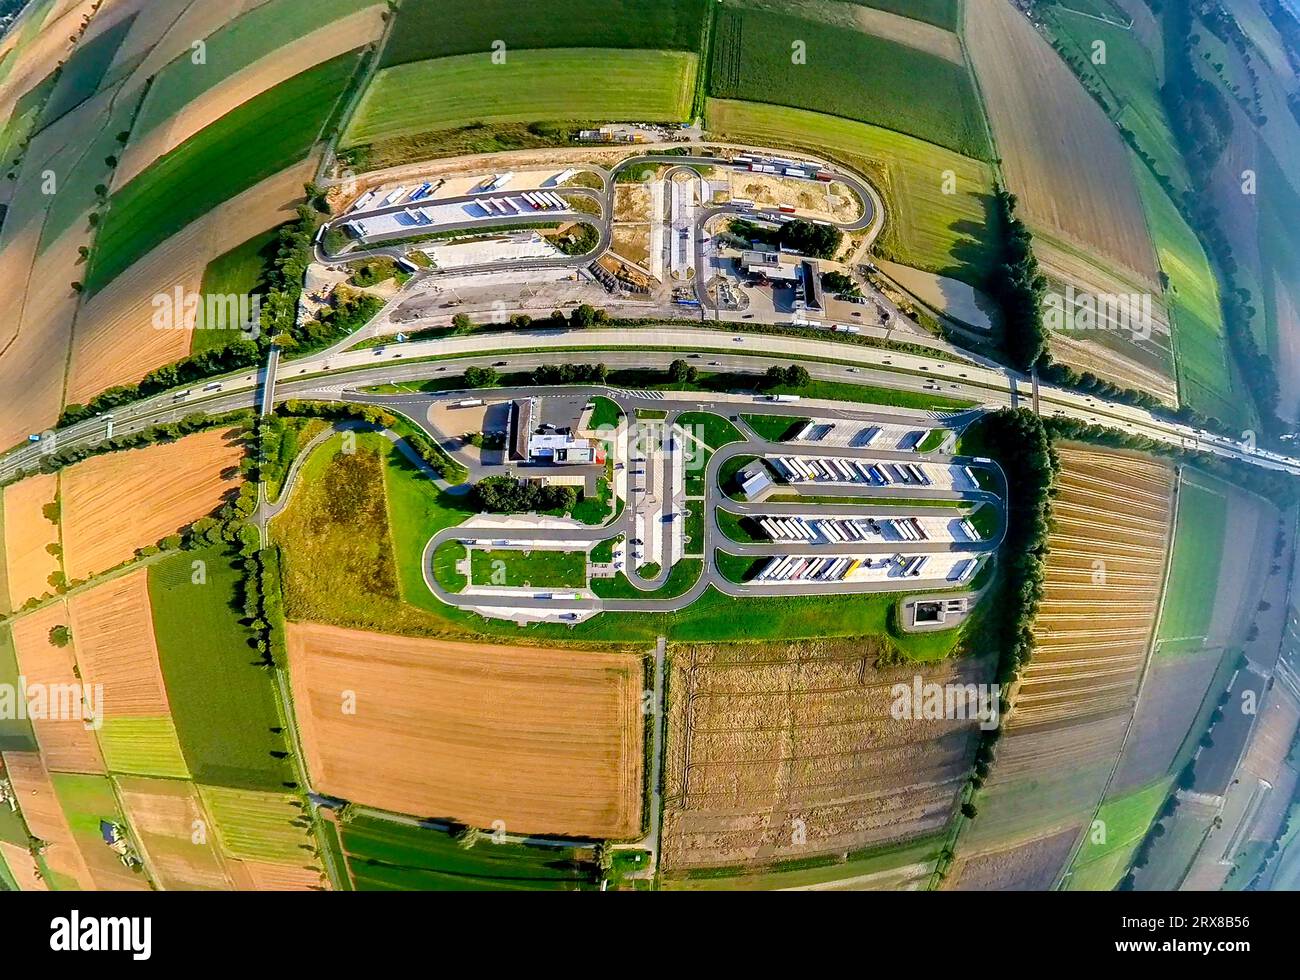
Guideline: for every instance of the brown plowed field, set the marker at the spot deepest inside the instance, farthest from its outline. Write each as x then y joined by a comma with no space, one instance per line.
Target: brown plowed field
1028,866
115,503
164,813
1092,637
44,816
547,741
776,754
115,341
1068,165
23,867
28,535
67,744
261,876
113,626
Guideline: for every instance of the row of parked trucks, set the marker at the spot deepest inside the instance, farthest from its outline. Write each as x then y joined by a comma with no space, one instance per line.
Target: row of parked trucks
796,568
833,470
842,530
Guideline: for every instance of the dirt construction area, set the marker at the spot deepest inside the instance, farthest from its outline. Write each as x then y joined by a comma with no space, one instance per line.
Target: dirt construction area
776,754
538,741
1105,574
116,503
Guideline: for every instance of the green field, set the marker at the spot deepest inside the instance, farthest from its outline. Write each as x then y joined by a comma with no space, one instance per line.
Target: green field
605,414
940,13
142,747
238,272
84,70
925,228
537,569
16,734
714,430
257,140
22,120
445,559
222,698
559,84
1200,339
438,28
384,855
257,826
1116,832
1194,570
846,73
251,36
775,428
1129,81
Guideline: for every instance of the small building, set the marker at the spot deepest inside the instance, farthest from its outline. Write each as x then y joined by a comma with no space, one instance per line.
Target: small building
562,449
769,266
808,291
755,481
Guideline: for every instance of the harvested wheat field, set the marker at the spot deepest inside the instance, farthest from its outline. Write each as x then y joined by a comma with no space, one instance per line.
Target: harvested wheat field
1028,866
547,741
23,867
780,753
66,739
1068,166
1107,553
262,877
28,537
121,501
45,817
116,341
303,53
113,627
164,813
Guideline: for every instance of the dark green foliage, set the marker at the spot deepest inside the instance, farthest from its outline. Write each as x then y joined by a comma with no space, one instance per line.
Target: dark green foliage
1019,288
570,374
507,495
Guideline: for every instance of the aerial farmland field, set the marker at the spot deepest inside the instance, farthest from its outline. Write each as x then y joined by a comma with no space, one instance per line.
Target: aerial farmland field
436,28
558,84
1198,548
846,73
843,776
564,724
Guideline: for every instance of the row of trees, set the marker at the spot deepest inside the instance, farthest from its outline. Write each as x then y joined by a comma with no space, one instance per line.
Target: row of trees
1019,287
508,495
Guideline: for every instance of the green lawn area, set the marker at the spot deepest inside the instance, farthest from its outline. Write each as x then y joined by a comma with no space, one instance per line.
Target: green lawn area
431,29
222,698
1117,830
715,430
925,228
744,530
445,559
683,576
238,272
557,84
1200,340
252,35
693,530
257,140
847,73
385,855
535,569
810,871
603,553
605,414
933,440
1194,570
775,428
